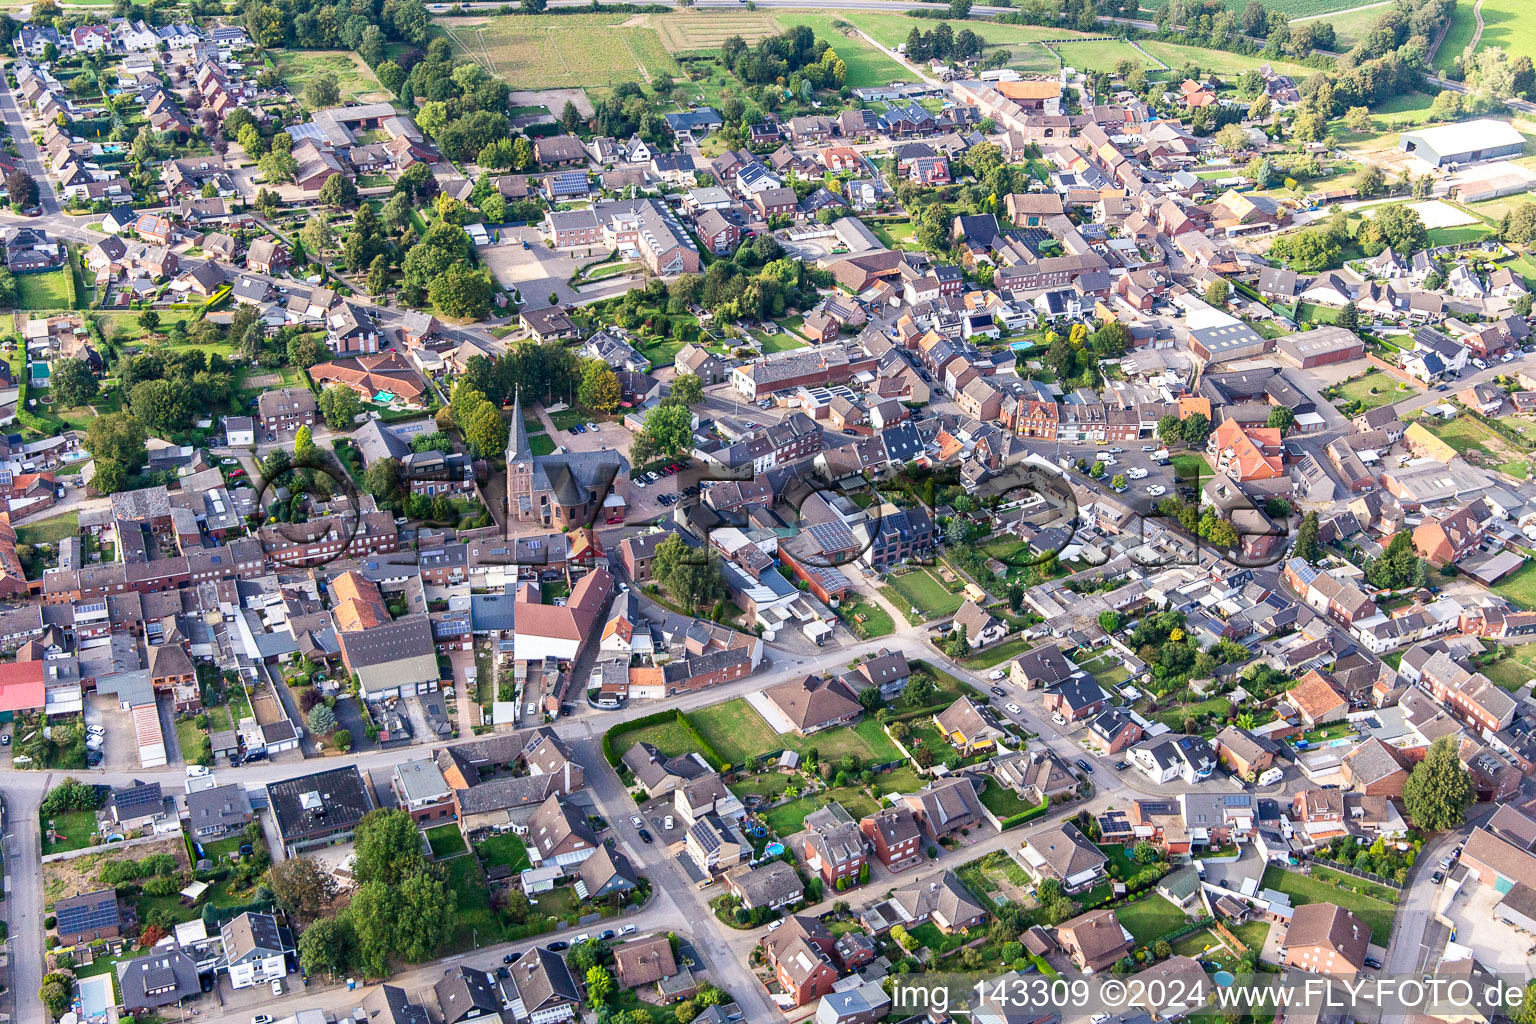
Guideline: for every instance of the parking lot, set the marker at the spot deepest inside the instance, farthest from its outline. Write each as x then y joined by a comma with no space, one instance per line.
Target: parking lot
535,271
1500,947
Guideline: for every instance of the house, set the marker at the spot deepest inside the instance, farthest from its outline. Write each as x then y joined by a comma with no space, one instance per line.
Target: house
643,961
1454,536
1094,940
256,949
812,704
606,873
464,993
1034,776
320,809
1317,700
550,323
982,628
947,805
1063,853
773,885
542,988
1112,731
558,834
1075,699
834,847
941,899
218,811
895,836
1044,666
87,917
1175,757
1375,769
161,979
802,963
133,807
1243,753
968,726
1326,939
266,256
715,844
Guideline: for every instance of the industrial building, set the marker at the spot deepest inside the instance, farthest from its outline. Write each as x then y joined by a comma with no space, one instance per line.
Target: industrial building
1464,143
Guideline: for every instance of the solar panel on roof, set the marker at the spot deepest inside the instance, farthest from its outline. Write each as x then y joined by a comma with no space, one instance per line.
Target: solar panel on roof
99,913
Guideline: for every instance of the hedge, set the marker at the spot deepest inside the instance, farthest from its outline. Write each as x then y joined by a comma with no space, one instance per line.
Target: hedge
654,718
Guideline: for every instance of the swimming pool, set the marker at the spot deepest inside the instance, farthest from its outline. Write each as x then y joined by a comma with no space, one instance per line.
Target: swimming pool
96,996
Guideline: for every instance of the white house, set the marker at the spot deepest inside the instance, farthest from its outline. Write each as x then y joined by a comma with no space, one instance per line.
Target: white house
240,431
256,949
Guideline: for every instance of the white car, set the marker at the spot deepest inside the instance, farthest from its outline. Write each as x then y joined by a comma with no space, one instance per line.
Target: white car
1098,1018
1157,490
1507,357
1101,456
1117,451
666,822
628,929
262,1018
592,427
197,771
997,674
1058,719
637,821
1145,448
1110,460
1013,709
277,988
652,477
639,481
1479,364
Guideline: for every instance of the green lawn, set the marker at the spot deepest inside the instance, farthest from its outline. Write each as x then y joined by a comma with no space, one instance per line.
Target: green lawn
660,351
1174,717
1188,466
737,732
787,819
75,829
475,923
1150,919
1100,54
997,653
1252,934
1460,233
1219,62
1003,802
1465,433
1372,390
541,444
507,849
445,840
1195,943
43,291
877,621
50,530
1320,889
1312,313
924,592
780,343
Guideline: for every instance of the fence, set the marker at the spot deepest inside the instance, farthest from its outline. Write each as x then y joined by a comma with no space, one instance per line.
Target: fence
1396,372
1343,869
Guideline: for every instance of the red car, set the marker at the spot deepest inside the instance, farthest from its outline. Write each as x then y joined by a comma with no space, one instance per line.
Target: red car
236,472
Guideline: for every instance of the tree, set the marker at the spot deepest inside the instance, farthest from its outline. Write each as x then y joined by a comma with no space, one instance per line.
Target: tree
304,352
599,390
22,189
460,291
599,984
378,275
339,405
687,389
387,847
1525,1012
338,191
1195,428
328,946
305,451
323,90
1281,417
484,429
149,320
302,887
55,994
1396,225
1170,429
1349,316
1307,547
959,646
1118,481
1109,621
72,383
1439,790
668,430
316,233
1358,119
1144,852
322,720
383,480
117,441
1216,292
1232,138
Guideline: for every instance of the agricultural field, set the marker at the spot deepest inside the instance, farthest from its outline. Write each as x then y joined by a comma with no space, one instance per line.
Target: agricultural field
892,29
697,32
1502,26
1219,62
562,51
357,81
1100,54
1349,27
867,66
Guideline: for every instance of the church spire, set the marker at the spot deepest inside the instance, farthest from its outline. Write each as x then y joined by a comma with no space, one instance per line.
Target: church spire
519,450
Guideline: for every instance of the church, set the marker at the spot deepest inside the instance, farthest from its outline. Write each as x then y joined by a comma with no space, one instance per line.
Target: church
562,490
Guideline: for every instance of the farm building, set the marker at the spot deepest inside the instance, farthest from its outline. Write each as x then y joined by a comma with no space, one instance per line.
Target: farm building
1483,139
1327,344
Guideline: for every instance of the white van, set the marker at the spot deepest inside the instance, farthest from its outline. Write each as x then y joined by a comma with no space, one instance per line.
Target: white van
1272,776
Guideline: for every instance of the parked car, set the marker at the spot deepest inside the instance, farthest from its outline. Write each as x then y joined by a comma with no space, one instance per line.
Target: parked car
1437,877
637,821
606,934
997,674
197,771
1121,766
999,691
1014,709
559,945
645,836
1085,766
1373,963
509,958
592,427
667,822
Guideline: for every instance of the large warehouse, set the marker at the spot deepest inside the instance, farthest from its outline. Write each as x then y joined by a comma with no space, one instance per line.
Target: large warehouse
1319,347
1464,143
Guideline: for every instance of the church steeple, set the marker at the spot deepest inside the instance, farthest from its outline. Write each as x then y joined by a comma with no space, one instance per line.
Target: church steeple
519,450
